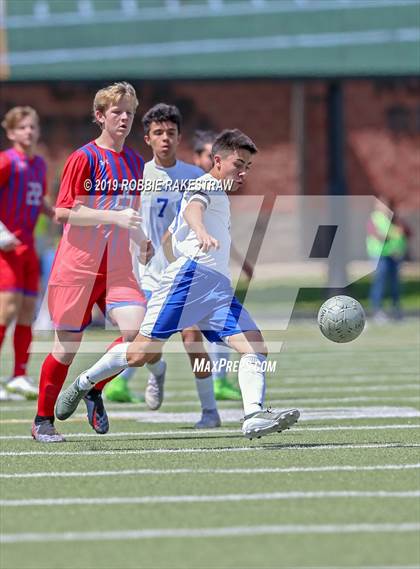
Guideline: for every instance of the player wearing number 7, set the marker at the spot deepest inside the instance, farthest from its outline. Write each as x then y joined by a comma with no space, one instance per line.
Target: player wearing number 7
22,199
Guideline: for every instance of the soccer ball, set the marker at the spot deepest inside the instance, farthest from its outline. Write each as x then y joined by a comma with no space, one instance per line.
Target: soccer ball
341,319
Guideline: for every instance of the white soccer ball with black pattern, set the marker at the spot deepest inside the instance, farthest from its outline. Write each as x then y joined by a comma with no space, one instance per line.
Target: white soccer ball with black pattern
341,319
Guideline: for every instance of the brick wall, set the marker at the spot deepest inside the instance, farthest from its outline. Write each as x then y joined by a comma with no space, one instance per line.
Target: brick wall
382,121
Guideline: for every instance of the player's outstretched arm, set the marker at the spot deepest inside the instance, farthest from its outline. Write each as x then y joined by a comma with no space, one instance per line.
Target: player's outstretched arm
86,216
193,215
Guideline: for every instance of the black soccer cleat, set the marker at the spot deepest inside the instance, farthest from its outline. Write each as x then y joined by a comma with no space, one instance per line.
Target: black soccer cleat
96,412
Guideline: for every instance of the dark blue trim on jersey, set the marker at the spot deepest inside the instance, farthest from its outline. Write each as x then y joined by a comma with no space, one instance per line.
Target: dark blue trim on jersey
120,303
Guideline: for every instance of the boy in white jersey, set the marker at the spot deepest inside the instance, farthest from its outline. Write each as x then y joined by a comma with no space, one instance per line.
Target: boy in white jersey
161,200
223,389
195,289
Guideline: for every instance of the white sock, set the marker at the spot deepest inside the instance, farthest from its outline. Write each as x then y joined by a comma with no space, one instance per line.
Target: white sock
220,355
111,363
206,392
128,373
252,382
157,368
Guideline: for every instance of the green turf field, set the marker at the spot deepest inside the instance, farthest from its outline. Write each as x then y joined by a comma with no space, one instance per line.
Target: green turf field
341,489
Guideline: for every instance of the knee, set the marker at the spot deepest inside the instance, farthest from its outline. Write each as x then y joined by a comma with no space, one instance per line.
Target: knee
9,312
192,340
64,350
63,356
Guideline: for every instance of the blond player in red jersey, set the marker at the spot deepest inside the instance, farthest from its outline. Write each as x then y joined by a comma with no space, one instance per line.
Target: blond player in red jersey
22,200
98,202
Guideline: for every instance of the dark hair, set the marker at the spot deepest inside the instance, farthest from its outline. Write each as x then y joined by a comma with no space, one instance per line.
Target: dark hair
231,140
201,138
161,113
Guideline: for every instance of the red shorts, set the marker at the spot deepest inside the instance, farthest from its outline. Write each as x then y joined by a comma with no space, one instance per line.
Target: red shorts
71,306
19,270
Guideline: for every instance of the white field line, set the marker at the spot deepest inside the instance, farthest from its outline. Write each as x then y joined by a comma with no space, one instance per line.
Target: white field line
231,531
188,499
316,400
285,401
345,380
308,414
193,434
292,390
235,415
223,471
295,447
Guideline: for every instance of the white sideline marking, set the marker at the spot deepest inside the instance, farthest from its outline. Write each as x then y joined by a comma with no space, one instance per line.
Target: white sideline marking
207,450
319,389
232,531
297,401
196,433
234,415
289,401
293,495
146,471
307,414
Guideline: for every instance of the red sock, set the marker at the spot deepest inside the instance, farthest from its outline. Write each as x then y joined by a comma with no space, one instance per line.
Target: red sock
99,386
21,342
2,333
53,375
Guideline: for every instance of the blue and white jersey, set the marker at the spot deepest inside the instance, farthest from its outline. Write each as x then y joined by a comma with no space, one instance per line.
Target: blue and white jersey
161,198
216,219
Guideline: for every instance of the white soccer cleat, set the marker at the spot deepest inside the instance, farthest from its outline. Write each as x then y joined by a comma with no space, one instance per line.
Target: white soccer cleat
153,395
22,385
268,421
6,396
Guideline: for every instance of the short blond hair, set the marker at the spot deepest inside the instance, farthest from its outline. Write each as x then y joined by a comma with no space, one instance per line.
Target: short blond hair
110,95
15,115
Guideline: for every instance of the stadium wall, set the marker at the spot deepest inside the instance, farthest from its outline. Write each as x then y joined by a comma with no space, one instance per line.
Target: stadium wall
382,122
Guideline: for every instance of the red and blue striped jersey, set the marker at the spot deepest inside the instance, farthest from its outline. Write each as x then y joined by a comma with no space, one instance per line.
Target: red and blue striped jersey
22,189
97,178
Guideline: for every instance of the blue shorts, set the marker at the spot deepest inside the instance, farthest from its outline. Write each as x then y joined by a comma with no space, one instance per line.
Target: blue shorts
191,294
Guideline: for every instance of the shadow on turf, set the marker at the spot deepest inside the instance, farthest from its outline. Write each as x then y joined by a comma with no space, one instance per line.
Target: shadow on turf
280,446
104,438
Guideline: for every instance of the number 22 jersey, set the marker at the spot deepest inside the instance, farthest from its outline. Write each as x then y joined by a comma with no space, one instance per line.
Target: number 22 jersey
22,188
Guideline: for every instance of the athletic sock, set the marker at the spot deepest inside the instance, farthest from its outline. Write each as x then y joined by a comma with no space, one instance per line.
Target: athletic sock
128,373
220,355
21,341
53,375
205,392
2,333
157,368
251,377
110,364
99,386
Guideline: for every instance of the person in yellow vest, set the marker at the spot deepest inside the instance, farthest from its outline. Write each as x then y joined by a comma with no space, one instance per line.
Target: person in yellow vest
386,242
